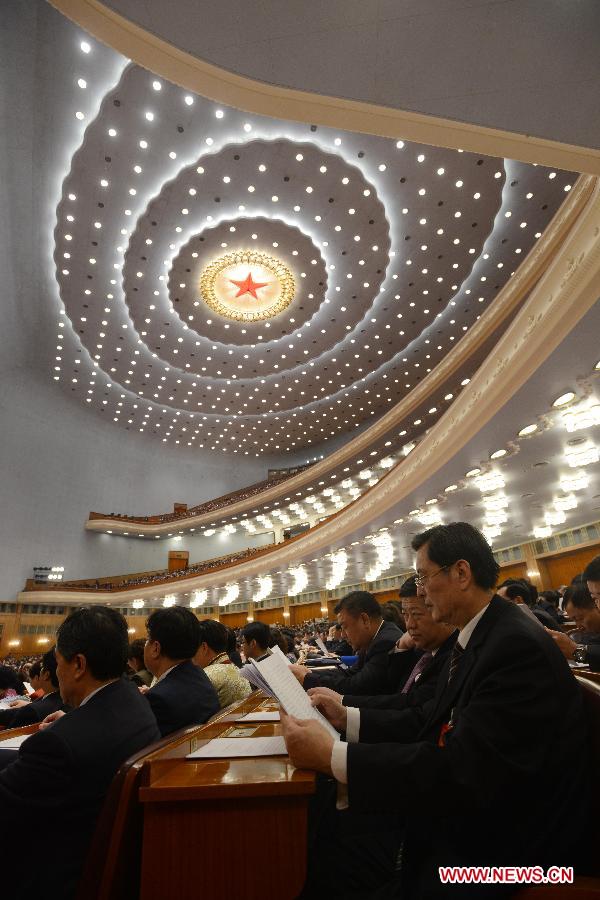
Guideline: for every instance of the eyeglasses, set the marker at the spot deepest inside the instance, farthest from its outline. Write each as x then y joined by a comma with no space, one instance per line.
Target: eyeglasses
421,580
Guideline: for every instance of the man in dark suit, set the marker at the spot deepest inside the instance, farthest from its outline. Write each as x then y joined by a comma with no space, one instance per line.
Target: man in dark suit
489,775
426,644
183,694
256,640
63,772
359,614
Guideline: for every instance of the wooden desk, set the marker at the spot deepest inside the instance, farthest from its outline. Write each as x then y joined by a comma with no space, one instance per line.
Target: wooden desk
218,828
586,673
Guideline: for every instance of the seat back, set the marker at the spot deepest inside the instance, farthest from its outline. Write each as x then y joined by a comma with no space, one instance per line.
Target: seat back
591,700
112,867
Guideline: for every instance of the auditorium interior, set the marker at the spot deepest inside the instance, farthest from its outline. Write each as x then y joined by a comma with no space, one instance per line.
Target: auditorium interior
285,285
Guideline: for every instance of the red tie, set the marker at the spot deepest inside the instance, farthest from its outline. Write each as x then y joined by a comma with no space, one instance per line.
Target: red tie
421,664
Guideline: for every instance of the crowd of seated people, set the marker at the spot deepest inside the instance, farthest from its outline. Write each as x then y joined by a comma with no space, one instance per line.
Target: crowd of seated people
156,577
210,505
453,750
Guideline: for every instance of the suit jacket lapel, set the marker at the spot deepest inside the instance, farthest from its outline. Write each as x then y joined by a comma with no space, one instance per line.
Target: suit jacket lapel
447,694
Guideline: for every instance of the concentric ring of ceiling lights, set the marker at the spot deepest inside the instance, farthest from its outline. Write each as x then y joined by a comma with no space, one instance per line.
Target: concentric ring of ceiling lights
394,250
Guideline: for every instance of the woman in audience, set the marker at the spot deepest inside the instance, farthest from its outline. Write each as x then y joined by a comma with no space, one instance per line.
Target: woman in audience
11,685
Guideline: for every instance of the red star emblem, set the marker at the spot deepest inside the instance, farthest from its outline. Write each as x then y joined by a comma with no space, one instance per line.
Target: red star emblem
248,286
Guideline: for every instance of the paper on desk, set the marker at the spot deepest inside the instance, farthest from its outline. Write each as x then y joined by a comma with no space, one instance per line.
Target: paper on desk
220,748
13,743
260,717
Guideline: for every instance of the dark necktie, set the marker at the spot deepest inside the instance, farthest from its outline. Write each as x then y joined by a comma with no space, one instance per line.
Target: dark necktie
457,652
421,664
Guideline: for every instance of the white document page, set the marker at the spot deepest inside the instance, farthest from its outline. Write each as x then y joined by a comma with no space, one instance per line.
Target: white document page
290,692
260,717
220,748
13,743
321,645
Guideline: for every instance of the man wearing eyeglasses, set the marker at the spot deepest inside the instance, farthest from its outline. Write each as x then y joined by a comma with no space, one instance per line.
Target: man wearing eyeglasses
497,774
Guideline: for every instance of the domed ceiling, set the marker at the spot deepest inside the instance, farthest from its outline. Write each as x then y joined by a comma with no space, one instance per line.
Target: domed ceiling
243,284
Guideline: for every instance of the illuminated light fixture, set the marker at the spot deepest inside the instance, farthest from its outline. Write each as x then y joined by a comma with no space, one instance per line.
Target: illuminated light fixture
339,560
386,463
431,502
583,417
490,532
495,503
328,492
372,482
578,481
299,581
249,525
170,600
382,543
582,456
229,528
247,286
45,640
232,592
496,518
564,399
493,481
347,483
450,488
529,429
408,448
265,587
365,474
555,518
14,643
597,366
429,517
542,531
209,532
472,472
199,599
563,504
498,454
138,604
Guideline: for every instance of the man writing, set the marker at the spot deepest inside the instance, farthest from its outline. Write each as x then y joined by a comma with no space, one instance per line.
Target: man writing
359,614
583,606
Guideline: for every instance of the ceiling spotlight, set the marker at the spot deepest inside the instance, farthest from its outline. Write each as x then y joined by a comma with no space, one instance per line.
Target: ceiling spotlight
564,399
85,47
529,429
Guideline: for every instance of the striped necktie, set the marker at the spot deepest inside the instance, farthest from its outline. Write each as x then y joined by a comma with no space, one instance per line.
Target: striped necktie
457,652
418,668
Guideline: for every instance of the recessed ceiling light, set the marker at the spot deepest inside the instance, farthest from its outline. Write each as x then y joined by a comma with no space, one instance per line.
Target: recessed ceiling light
498,454
564,399
529,429
85,47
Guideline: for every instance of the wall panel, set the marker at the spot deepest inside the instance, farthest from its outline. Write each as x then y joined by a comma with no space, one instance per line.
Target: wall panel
563,567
